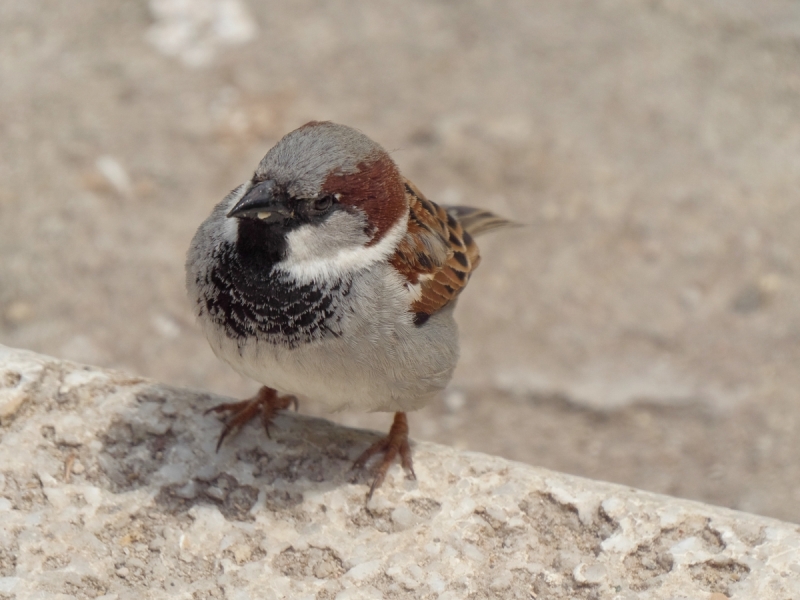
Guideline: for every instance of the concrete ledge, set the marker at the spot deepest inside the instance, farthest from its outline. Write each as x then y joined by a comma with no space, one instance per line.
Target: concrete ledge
110,487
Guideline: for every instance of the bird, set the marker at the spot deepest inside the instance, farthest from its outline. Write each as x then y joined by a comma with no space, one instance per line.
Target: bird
328,275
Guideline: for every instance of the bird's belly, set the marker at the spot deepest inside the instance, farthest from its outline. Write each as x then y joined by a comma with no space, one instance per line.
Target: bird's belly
309,372
344,375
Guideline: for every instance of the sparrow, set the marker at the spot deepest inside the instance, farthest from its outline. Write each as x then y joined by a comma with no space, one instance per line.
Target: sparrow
329,275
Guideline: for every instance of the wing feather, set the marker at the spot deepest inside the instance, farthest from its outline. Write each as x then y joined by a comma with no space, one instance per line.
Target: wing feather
438,253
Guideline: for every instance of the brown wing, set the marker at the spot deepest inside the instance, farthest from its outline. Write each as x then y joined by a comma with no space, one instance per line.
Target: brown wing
436,256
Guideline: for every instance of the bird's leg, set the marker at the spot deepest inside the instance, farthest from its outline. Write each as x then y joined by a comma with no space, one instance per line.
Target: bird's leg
394,444
267,402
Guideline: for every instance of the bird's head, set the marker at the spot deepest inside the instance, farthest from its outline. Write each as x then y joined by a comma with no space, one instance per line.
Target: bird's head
324,200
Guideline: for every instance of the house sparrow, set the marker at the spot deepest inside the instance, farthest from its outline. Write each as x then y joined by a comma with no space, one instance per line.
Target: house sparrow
329,275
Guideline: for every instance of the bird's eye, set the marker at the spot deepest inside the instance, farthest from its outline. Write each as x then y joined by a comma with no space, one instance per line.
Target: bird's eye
323,204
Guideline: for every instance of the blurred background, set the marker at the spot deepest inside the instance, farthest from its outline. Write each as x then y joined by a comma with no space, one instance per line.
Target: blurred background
643,329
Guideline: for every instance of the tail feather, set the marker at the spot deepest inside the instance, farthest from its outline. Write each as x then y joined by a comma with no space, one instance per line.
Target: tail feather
477,221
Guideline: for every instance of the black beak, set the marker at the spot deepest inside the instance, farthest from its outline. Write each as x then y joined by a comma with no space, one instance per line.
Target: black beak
262,202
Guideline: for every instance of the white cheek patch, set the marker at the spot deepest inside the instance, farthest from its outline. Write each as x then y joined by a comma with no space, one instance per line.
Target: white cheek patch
336,248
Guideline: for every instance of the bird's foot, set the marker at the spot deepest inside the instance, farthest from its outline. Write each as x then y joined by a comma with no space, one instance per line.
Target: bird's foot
266,402
393,445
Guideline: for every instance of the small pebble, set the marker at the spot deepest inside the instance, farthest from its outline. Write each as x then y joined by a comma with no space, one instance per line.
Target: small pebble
156,544
216,493
589,574
123,572
188,491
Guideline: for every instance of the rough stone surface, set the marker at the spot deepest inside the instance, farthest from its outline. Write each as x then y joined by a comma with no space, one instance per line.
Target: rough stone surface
644,329
110,487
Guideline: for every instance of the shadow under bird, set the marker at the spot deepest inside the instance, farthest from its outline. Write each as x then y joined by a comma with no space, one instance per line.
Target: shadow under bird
330,276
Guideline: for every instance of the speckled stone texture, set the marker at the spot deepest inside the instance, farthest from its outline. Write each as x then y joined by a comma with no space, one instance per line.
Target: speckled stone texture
110,487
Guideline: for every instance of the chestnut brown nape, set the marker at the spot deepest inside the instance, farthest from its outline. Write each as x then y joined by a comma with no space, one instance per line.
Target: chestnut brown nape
376,188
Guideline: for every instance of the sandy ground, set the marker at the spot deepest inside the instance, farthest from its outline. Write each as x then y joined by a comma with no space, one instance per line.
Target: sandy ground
644,328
